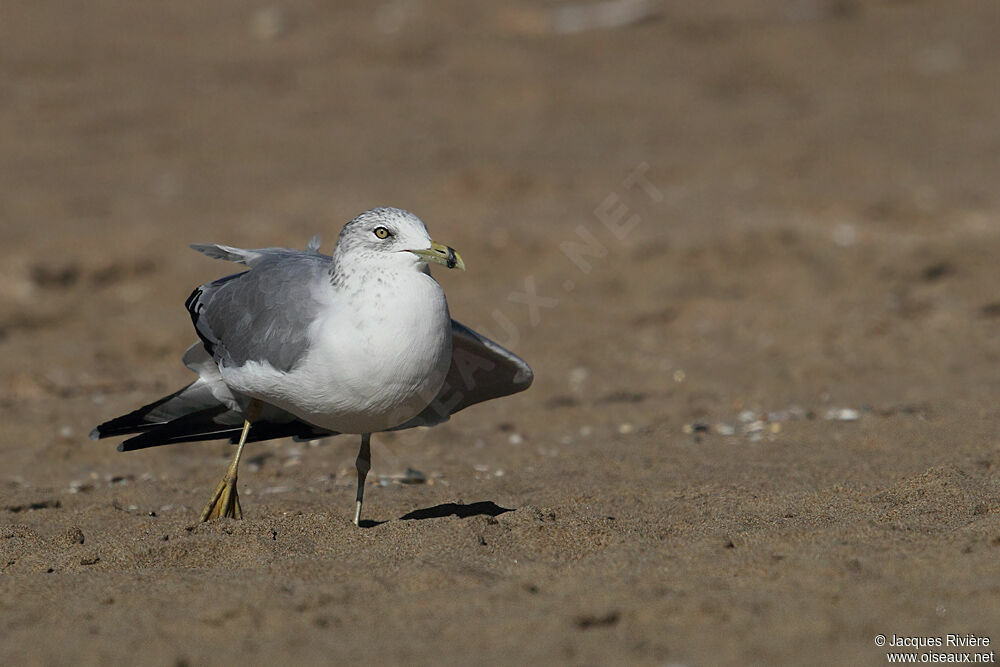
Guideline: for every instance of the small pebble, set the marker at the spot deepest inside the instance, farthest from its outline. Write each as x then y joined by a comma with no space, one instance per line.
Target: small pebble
269,23
625,428
391,17
842,415
941,59
724,429
845,235
413,476
515,439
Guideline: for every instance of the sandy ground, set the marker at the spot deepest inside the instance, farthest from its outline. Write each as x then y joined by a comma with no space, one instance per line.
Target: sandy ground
748,248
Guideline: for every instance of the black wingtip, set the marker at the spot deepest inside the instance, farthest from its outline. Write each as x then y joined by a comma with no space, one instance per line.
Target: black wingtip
96,434
523,378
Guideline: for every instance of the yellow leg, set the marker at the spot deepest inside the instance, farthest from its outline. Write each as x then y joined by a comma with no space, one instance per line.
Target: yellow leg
225,501
363,464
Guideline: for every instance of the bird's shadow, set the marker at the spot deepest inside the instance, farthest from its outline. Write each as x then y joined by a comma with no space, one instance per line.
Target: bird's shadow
462,511
482,508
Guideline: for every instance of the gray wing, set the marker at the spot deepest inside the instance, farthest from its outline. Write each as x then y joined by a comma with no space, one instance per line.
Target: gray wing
480,370
262,314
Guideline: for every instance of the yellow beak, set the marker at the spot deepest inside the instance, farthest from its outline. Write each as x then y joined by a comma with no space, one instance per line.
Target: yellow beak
439,253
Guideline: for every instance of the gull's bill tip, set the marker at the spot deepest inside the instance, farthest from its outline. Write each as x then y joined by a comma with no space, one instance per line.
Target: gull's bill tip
440,253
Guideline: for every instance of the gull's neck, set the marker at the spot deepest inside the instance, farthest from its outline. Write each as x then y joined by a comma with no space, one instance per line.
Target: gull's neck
359,268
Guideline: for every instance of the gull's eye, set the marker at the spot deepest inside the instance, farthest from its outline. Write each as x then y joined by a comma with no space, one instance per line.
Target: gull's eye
382,232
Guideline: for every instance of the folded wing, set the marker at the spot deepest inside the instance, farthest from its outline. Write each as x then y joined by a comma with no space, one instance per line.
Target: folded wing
261,315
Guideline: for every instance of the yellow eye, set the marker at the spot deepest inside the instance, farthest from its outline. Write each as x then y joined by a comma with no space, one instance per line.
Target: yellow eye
382,232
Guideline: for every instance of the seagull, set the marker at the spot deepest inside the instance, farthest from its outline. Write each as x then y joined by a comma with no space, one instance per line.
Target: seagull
308,345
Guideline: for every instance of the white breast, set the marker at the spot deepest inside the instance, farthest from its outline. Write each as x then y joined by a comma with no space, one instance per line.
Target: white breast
374,362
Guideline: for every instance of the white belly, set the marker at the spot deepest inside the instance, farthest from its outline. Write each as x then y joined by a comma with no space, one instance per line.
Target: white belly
372,365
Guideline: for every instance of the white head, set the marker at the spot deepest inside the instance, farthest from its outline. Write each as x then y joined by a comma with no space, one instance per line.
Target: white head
391,238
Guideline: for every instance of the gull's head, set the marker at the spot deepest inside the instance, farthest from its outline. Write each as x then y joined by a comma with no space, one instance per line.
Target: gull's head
392,236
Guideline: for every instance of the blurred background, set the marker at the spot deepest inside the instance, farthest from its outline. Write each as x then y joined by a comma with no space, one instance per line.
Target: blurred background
866,129
748,248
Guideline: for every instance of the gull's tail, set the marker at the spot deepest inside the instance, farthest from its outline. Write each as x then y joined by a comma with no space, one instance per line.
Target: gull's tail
203,410
191,399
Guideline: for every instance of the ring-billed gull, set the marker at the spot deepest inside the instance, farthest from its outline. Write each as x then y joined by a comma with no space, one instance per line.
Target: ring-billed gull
308,345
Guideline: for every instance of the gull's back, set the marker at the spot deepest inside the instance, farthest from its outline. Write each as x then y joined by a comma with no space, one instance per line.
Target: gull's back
263,314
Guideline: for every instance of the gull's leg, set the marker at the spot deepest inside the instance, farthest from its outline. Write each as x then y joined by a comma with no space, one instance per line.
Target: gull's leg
226,501
364,464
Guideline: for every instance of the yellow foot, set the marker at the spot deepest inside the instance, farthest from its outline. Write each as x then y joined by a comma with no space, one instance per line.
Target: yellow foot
225,502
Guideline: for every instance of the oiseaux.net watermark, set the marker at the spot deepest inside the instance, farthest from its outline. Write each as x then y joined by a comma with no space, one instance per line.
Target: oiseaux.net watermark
949,648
